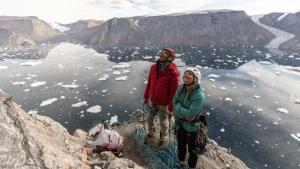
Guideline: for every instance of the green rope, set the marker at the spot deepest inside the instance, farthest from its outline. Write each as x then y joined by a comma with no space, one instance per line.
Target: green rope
157,158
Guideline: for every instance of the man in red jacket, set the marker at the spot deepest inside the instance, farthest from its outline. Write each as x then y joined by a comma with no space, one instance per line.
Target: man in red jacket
162,83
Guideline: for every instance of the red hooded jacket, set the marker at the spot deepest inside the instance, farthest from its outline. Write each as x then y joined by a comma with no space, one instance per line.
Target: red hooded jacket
161,87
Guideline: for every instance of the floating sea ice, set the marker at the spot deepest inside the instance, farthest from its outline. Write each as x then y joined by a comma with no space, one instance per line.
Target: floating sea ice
260,110
104,91
79,104
283,110
265,62
257,97
32,112
62,97
20,83
126,71
277,73
213,76
211,79
104,77
94,109
116,72
70,86
26,90
121,78
113,120
275,123
30,63
36,84
47,102
228,99
121,65
222,130
256,141
3,67
88,68
223,88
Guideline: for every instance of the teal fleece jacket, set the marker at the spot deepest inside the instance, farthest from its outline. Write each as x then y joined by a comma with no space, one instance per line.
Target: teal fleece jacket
186,108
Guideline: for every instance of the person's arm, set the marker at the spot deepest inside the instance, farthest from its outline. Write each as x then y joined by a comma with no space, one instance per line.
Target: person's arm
146,93
173,85
194,109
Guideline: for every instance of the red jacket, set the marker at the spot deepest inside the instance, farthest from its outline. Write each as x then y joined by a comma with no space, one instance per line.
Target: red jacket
161,87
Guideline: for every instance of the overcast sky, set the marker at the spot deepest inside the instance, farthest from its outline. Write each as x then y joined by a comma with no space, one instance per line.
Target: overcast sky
71,10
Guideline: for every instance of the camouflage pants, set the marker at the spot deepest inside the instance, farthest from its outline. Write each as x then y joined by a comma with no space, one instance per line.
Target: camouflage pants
162,112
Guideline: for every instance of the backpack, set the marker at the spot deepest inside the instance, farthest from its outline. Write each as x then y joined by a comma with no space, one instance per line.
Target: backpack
201,139
101,139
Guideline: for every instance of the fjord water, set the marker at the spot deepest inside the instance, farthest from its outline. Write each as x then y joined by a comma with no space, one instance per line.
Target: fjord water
252,94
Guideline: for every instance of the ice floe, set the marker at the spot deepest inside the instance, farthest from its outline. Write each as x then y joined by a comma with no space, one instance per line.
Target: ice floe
213,76
228,99
32,112
104,77
94,109
223,88
122,78
70,86
79,104
19,83
30,63
116,72
113,120
36,84
283,110
265,62
49,101
121,65
257,97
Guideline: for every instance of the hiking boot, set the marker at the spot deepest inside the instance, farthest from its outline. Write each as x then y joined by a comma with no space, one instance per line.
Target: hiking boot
181,164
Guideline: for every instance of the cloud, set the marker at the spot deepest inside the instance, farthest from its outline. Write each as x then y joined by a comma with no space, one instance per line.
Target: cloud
72,10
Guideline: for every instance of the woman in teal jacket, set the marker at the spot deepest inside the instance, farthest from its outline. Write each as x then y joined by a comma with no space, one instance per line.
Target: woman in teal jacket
188,101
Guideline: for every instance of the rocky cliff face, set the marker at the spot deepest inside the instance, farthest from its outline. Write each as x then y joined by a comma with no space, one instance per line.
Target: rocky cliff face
24,30
40,142
224,28
289,22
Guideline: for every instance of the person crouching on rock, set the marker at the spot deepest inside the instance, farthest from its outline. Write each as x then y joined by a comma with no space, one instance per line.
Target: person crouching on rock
188,101
162,83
